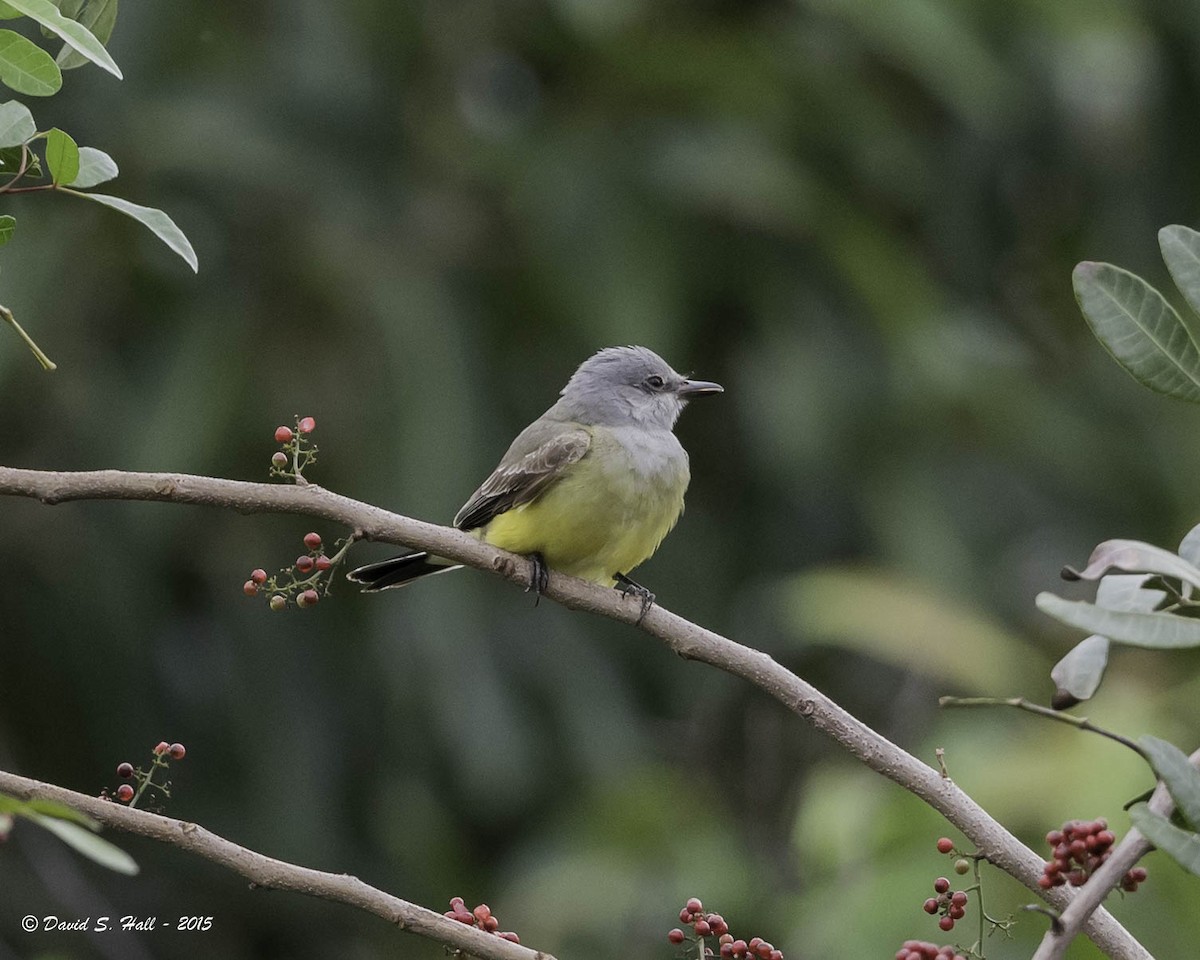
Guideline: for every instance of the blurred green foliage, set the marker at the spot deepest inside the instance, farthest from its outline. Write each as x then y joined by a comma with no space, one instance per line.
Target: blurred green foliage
415,219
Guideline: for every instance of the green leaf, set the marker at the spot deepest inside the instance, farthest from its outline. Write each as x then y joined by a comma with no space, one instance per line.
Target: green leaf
1079,673
1181,845
158,222
26,67
60,811
1160,631
75,34
95,166
100,17
87,843
8,226
62,156
1173,768
10,162
1139,328
16,124
1180,248
1133,556
8,13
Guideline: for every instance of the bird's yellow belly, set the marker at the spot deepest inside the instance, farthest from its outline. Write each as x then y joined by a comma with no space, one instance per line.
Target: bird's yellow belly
601,519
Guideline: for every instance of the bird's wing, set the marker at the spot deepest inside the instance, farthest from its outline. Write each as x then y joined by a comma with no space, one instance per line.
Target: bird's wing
534,461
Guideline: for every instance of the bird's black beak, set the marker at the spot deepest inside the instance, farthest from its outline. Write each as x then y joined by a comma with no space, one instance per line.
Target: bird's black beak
698,388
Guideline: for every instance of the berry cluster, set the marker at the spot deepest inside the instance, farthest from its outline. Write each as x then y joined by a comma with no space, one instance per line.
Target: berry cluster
297,452
922,950
163,754
480,917
1078,850
714,925
307,580
952,906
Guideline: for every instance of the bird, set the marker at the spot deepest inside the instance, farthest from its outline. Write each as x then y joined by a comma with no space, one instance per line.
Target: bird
589,489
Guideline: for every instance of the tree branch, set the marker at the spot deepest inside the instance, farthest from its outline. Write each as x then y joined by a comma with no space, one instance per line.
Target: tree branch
1128,852
275,874
683,637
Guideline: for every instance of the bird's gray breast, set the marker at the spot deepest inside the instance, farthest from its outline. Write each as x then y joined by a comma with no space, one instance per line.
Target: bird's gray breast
653,455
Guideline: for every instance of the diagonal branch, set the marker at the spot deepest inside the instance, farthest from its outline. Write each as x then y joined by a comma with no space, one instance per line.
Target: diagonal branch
1128,852
683,637
275,874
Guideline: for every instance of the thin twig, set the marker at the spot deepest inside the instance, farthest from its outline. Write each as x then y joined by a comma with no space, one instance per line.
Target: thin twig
1083,723
264,871
1130,850
681,636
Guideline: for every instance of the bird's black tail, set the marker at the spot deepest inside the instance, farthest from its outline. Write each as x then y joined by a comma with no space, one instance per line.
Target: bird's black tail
397,571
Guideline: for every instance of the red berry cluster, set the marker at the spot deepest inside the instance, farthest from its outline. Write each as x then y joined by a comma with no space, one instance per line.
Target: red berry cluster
952,906
307,579
1078,850
163,753
297,452
922,950
480,917
713,924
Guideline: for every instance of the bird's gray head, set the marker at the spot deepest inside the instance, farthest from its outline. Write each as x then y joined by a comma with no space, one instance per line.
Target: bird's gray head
627,385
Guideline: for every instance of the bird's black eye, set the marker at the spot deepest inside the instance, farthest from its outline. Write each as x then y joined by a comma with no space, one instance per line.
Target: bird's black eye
655,382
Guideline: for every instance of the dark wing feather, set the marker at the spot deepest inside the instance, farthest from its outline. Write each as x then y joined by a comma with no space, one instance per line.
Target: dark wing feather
533,462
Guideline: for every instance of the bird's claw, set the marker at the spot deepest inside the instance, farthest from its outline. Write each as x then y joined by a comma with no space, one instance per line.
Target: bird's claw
630,588
539,577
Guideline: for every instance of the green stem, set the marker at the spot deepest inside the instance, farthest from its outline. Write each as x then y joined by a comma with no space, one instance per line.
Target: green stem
158,762
45,361
1083,723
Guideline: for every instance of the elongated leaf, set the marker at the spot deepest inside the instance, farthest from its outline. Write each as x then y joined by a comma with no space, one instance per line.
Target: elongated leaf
1127,591
95,166
100,17
60,811
26,67
1133,556
8,226
1189,546
1078,674
1139,328
8,13
1173,768
87,843
1180,248
62,156
1159,631
158,222
1182,846
16,124
73,33
10,162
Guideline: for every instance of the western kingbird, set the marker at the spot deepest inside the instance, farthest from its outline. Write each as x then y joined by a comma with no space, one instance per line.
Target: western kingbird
590,488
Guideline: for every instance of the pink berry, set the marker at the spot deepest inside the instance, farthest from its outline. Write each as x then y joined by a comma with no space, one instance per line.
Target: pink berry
279,459
312,540
283,434
675,936
250,588
941,885
945,845
323,563
258,575
125,770
308,425
307,599
124,793
703,928
509,935
694,905
178,751
482,912
162,748
278,602
930,906
946,923
305,563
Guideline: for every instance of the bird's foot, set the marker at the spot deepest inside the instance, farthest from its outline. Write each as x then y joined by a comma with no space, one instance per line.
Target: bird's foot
629,588
539,577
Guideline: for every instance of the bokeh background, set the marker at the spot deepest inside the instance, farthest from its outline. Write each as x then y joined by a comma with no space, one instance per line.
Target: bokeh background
413,221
